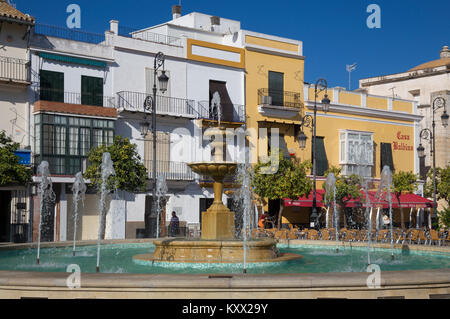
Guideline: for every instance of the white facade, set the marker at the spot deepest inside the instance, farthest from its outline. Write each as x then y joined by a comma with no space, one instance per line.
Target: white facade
188,81
422,84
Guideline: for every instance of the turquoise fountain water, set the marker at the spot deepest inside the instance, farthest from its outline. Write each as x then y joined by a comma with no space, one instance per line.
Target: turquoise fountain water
118,258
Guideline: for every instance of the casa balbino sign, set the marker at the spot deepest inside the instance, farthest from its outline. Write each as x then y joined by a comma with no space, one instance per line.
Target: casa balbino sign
402,143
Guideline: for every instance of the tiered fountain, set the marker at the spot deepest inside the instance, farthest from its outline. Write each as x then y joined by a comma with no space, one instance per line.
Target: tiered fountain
218,243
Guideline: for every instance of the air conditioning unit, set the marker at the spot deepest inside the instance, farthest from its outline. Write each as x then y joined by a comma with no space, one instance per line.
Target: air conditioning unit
266,100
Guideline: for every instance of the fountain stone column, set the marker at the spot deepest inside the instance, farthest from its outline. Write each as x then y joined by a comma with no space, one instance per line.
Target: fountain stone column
218,220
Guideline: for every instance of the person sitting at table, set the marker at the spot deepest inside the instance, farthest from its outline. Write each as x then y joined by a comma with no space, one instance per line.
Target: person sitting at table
262,220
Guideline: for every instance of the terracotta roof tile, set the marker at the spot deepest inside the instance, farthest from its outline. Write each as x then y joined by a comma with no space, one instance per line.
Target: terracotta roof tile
432,64
8,11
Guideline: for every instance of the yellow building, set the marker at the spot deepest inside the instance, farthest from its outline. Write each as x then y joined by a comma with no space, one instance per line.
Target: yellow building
358,129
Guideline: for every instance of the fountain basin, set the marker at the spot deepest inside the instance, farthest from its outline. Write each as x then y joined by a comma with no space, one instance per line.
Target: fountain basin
214,251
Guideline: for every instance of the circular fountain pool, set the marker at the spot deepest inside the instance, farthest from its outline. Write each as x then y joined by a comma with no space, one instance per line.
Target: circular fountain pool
317,258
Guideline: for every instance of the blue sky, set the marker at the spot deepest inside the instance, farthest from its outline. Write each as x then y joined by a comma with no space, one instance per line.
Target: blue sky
334,33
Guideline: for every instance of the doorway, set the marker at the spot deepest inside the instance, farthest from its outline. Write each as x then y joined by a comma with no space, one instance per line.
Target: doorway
5,216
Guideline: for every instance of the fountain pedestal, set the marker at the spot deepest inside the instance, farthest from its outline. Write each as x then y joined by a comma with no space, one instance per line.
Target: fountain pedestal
218,243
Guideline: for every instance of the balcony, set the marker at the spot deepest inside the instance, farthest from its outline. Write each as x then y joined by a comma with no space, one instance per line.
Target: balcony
14,71
231,113
282,104
86,104
149,36
172,171
68,34
90,99
176,107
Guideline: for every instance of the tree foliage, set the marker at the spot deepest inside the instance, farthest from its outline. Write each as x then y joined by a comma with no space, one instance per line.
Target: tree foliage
289,181
347,187
442,184
444,217
403,182
11,172
131,174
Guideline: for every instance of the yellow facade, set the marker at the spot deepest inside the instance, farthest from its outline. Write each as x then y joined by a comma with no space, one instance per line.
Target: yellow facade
384,119
258,65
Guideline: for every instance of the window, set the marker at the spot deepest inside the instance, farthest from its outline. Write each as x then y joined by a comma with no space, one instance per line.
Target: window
162,152
91,91
356,153
276,88
386,156
218,90
65,141
51,86
321,157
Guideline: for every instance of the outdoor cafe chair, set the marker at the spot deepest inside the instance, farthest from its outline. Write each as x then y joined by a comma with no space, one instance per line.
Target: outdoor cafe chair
325,234
434,237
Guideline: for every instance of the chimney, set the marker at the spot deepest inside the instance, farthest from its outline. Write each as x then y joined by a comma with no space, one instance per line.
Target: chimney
445,52
114,26
176,12
215,23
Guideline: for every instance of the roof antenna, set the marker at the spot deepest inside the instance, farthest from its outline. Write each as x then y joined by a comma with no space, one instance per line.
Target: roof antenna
350,69
393,93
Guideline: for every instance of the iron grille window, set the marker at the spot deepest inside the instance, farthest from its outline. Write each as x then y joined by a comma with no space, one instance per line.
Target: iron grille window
356,152
65,141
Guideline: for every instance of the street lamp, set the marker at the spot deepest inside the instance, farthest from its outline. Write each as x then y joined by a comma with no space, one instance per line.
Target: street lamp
150,105
427,134
311,122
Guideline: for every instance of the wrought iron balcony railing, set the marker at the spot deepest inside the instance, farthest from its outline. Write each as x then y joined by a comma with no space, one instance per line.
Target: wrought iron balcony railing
134,101
226,113
149,36
75,98
69,34
279,98
14,70
172,171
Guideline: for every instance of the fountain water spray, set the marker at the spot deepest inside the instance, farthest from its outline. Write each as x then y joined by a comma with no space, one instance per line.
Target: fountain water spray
216,101
161,191
79,191
386,183
330,187
362,165
46,196
107,169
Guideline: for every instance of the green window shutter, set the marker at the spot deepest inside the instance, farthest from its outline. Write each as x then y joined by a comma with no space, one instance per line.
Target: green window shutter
91,91
276,88
386,156
321,157
51,86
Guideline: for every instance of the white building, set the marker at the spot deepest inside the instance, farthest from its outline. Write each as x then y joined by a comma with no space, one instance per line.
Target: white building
73,110
423,84
15,108
199,63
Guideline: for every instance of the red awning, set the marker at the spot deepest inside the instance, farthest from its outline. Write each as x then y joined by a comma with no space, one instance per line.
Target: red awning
406,201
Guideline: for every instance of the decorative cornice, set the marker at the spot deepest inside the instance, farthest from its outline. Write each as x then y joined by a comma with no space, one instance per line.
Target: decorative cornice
370,112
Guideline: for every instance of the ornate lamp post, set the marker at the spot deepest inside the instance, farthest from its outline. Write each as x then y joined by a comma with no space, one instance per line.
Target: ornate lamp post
427,134
311,122
150,105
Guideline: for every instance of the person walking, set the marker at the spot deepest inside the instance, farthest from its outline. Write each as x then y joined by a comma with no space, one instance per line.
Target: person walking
174,225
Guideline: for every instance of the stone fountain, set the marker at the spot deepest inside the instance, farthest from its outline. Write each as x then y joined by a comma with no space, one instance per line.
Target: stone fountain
218,243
